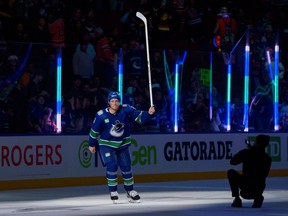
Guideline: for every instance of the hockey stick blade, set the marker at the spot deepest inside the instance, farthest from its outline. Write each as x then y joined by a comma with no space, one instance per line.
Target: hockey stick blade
142,17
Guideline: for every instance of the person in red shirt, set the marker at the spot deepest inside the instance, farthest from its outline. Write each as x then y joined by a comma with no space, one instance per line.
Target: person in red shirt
225,29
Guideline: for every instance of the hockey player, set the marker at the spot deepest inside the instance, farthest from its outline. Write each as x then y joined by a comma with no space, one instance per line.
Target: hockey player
110,135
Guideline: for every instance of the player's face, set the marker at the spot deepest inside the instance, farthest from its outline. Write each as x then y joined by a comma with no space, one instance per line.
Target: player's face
114,104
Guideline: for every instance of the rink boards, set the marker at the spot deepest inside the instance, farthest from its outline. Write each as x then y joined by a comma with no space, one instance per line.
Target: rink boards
58,161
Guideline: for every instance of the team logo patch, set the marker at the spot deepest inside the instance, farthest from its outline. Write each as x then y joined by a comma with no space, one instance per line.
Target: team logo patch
106,120
117,129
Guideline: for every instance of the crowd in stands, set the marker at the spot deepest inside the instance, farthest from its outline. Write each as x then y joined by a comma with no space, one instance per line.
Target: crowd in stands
93,36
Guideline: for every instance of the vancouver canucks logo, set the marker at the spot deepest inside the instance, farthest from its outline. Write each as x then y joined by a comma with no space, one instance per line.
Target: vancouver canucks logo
117,129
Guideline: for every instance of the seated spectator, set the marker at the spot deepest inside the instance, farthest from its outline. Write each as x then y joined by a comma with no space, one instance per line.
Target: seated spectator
162,109
47,124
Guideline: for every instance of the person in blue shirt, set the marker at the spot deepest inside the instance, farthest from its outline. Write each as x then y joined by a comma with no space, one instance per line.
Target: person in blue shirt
110,134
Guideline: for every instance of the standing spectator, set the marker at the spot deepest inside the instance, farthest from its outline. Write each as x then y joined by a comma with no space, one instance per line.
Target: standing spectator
110,135
75,26
75,98
193,22
256,165
163,22
89,24
91,51
134,60
105,58
103,49
226,29
57,29
266,28
83,64
40,32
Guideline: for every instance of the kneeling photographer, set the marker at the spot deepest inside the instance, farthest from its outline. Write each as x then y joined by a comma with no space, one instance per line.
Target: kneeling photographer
256,165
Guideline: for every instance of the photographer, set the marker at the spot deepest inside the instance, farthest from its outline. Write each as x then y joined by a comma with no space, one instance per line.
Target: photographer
256,165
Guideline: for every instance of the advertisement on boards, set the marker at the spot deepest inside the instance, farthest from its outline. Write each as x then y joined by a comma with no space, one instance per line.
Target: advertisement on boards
45,157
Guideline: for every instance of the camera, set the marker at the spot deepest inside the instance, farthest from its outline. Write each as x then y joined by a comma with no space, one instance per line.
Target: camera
248,143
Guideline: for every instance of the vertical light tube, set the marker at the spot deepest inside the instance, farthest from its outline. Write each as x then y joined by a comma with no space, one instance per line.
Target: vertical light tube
120,74
276,88
59,90
246,85
229,96
176,98
211,89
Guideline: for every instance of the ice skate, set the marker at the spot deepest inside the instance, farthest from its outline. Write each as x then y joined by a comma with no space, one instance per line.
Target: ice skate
114,196
133,196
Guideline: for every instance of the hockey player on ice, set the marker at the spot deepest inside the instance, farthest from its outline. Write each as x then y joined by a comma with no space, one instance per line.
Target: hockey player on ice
110,135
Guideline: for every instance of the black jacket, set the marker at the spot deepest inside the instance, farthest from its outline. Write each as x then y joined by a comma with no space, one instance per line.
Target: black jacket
256,164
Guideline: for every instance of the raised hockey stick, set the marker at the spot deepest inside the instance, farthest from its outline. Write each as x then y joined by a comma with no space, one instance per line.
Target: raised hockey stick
143,18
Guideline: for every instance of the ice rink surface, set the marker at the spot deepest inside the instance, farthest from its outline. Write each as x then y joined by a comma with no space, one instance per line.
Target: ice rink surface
197,198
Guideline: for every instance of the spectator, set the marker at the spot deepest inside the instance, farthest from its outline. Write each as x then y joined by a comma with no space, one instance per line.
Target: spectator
216,124
261,112
75,97
193,22
103,49
196,115
83,64
47,124
34,86
105,58
132,87
75,26
11,66
91,51
36,105
27,75
162,109
56,28
40,32
4,118
20,33
226,29
134,60
283,114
